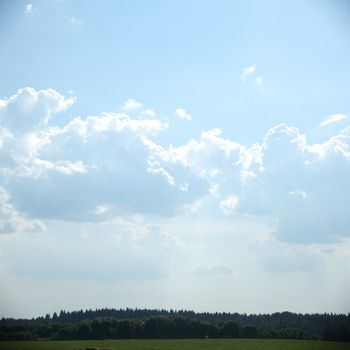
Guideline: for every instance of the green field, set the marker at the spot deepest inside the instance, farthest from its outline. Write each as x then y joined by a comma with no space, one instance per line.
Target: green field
197,344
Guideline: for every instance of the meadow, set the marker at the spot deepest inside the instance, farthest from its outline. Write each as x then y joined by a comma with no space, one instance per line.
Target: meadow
179,344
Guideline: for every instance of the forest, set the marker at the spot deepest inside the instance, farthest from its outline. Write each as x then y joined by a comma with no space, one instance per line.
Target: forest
172,324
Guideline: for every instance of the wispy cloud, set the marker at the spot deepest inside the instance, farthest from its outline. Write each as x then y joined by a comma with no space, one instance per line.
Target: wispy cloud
259,80
76,21
249,73
229,205
298,193
249,70
334,118
215,269
29,9
149,113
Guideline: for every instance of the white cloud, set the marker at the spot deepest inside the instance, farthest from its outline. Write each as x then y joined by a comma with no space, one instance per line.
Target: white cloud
155,168
193,207
102,209
76,21
131,104
114,160
229,204
108,158
39,167
212,269
210,157
249,74
112,122
291,164
298,193
29,109
337,145
214,189
97,181
13,221
149,113
332,119
249,70
29,9
259,81
183,114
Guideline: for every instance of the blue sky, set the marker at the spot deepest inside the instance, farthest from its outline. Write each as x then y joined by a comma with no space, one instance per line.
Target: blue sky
155,151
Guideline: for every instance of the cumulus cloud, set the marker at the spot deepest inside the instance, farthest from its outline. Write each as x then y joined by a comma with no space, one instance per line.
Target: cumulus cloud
183,114
105,159
131,104
109,166
206,156
303,186
96,167
334,118
13,221
229,204
29,109
338,146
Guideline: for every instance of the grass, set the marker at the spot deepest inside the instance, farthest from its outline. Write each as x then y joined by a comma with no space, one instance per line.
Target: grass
179,344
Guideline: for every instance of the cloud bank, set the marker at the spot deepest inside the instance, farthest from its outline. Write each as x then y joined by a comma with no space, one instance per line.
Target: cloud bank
98,167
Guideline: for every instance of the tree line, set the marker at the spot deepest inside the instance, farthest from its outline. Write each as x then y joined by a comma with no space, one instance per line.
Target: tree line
143,324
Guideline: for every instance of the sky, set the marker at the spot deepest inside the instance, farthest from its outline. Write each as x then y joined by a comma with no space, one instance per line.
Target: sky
174,154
